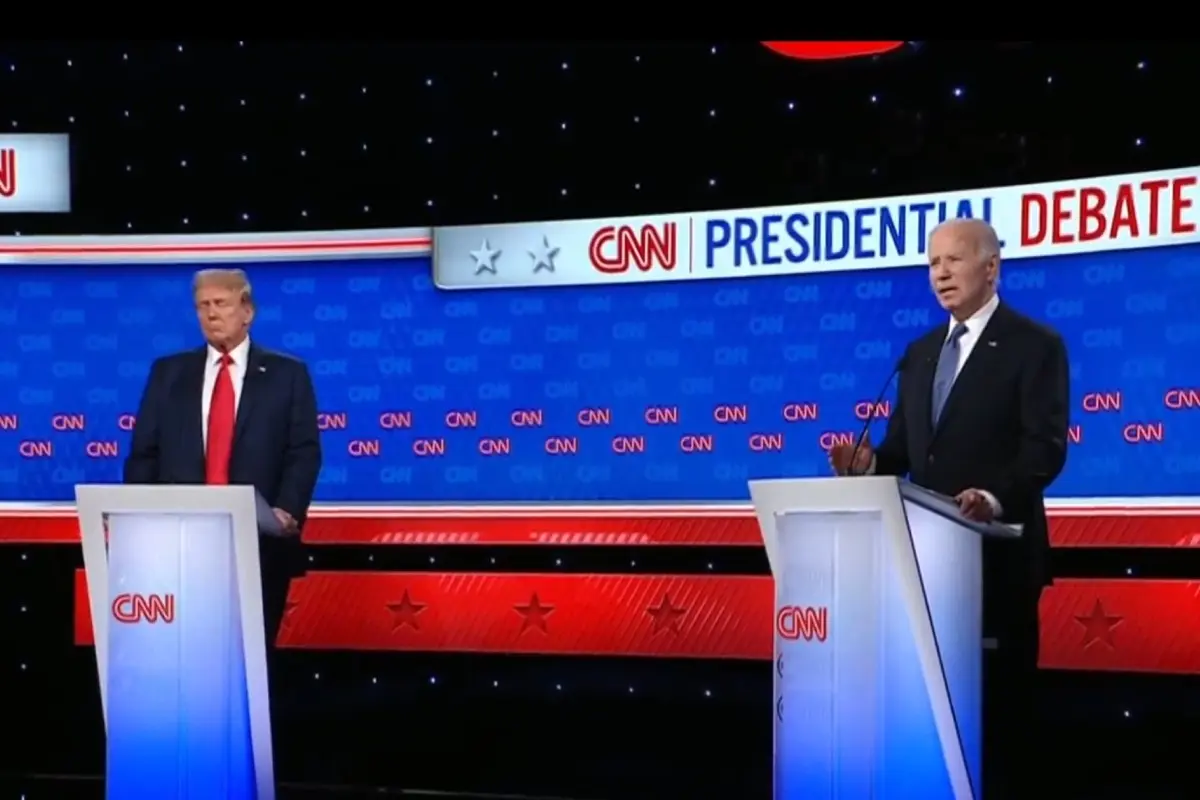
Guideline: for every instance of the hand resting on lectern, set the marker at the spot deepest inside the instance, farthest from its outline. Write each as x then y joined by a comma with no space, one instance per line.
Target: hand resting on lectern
850,459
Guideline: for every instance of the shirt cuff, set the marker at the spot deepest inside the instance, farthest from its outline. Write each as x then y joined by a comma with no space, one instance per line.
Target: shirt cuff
997,509
871,469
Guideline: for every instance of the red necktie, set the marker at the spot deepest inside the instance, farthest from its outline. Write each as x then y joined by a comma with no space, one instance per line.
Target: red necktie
221,417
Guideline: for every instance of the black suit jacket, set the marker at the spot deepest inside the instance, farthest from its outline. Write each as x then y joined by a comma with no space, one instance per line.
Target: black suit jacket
1003,428
276,447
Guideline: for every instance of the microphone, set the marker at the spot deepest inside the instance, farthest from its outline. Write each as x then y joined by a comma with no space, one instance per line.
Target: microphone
866,429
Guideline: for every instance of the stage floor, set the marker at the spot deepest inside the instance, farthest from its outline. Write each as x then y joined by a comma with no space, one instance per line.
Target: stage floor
91,787
346,735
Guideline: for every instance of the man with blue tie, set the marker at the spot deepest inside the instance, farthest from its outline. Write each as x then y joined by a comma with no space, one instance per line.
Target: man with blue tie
982,416
232,412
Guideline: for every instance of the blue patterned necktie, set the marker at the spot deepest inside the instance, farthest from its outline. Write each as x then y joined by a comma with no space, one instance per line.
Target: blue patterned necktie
947,368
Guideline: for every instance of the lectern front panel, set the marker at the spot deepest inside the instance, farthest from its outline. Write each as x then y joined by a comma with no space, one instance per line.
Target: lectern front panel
827,655
951,569
853,717
177,709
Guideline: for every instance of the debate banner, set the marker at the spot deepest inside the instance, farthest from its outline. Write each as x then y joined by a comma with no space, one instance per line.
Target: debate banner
667,359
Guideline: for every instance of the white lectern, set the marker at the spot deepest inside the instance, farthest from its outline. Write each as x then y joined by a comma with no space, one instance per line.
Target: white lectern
176,597
878,639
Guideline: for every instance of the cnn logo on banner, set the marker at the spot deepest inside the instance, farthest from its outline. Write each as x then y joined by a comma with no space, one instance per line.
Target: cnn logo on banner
616,248
803,622
8,172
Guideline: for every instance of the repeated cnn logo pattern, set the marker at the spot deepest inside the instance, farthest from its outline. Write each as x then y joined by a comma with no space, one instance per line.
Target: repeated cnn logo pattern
666,392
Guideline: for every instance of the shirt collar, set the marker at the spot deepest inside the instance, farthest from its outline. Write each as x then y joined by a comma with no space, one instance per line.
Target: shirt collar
239,354
979,320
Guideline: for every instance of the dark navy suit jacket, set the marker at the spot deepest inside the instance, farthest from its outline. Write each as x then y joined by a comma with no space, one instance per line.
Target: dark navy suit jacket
1003,429
276,445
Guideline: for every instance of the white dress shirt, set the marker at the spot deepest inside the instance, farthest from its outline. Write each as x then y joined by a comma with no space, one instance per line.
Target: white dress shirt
975,325
966,343
237,373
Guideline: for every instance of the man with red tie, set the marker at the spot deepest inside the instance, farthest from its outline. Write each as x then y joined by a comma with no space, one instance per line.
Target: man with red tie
232,412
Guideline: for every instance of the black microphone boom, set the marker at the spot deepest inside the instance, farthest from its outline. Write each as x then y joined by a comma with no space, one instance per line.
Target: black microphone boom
866,429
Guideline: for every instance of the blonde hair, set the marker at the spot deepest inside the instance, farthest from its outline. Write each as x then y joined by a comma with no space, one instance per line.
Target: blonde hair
233,279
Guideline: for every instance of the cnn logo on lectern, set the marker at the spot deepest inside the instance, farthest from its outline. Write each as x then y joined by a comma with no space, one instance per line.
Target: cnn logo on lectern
803,622
152,608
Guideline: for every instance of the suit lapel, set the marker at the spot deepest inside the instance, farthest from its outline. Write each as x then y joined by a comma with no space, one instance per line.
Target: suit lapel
983,356
192,403
252,386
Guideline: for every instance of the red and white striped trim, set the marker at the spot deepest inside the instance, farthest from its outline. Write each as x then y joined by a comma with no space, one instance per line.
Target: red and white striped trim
306,245
1057,507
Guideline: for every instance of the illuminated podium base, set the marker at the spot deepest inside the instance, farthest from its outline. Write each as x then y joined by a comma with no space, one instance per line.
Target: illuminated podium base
176,600
878,639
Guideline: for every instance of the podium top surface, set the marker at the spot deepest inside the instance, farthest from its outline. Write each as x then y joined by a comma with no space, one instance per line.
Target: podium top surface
945,506
177,499
132,498
867,493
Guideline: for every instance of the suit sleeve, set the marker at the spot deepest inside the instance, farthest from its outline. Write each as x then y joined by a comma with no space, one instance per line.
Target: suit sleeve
141,465
302,457
891,456
1045,397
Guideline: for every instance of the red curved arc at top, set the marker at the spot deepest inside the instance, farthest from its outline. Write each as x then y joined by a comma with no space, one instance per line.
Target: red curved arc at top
825,51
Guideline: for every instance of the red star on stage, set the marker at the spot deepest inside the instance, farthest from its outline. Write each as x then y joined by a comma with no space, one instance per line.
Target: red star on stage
1098,626
666,616
405,613
534,614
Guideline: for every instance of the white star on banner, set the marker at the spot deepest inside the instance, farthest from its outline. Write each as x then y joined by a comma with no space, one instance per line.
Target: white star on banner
543,257
485,258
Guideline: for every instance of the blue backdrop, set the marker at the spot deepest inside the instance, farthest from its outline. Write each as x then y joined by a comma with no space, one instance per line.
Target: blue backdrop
672,391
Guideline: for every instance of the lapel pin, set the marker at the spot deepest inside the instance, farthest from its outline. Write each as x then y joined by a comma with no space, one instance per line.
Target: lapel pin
991,342
264,369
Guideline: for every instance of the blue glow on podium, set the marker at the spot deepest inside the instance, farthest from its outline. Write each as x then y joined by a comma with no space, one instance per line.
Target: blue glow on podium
178,707
855,710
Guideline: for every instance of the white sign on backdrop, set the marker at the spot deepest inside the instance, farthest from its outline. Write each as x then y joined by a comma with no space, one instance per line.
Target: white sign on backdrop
1118,212
35,173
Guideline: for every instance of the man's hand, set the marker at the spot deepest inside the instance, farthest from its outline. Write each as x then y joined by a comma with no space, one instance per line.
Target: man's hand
286,520
840,455
975,506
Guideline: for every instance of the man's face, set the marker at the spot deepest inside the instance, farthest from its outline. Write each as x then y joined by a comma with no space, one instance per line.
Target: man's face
224,316
961,276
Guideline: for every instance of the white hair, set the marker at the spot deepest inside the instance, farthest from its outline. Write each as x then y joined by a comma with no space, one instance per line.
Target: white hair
987,243
232,279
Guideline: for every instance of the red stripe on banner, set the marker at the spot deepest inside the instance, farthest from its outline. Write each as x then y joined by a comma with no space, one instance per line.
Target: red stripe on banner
1126,530
628,615
1121,626
39,529
1086,624
84,637
1074,527
556,530
248,249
